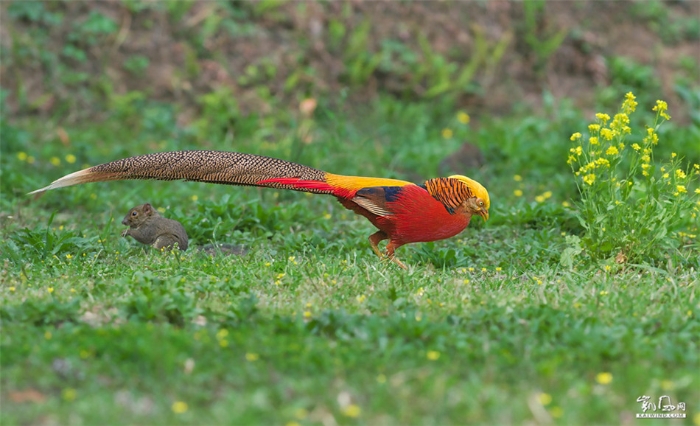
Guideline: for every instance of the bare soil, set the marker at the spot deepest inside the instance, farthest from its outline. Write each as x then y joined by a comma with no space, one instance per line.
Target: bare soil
290,50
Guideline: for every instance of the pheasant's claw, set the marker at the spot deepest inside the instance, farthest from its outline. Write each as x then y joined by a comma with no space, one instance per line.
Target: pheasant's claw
398,262
390,250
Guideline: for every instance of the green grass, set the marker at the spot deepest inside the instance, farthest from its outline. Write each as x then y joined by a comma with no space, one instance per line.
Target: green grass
309,327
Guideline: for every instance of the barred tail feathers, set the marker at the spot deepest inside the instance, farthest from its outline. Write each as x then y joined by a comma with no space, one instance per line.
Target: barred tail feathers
229,168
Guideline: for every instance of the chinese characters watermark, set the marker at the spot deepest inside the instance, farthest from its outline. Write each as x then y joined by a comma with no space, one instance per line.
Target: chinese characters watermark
666,410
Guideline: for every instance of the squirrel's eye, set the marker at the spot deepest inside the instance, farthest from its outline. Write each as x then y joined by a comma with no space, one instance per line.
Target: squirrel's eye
134,213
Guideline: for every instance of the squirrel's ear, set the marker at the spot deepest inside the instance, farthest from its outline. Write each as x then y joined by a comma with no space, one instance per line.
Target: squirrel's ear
147,208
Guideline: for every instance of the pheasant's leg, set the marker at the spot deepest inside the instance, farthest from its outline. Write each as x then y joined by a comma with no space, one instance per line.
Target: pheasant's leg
374,240
390,249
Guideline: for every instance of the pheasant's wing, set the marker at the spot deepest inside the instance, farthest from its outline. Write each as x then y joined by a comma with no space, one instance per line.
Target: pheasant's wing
377,199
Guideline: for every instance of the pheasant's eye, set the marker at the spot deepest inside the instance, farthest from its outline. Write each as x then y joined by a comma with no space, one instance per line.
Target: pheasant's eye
480,203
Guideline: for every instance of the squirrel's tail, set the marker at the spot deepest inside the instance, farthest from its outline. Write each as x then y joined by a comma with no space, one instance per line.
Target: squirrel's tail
230,168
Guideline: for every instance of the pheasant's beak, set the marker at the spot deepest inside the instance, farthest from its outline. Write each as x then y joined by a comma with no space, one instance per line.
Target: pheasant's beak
483,213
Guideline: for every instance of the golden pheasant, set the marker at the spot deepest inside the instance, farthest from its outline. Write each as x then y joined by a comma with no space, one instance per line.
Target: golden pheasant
403,212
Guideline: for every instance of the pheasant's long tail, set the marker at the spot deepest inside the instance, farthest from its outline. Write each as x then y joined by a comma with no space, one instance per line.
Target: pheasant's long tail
229,168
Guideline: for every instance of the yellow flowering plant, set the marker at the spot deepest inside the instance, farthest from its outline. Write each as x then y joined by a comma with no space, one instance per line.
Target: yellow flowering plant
632,207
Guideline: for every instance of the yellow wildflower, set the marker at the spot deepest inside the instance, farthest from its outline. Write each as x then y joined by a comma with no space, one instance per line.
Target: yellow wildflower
463,117
593,128
517,178
179,407
602,162
447,133
545,398
70,158
576,136
680,174
661,108
612,151
602,117
652,137
636,147
251,357
680,189
607,134
593,140
604,378
22,156
352,410
547,194
69,394
433,355
539,199
673,155
589,178
55,161
619,123
667,385
629,104
518,193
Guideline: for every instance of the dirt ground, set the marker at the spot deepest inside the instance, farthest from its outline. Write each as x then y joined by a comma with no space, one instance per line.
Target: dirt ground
294,50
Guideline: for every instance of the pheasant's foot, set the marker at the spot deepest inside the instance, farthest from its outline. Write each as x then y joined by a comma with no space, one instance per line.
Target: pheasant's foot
374,240
398,262
390,249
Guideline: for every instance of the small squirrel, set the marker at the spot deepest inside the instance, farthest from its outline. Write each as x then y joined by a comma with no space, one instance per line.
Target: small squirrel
148,227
